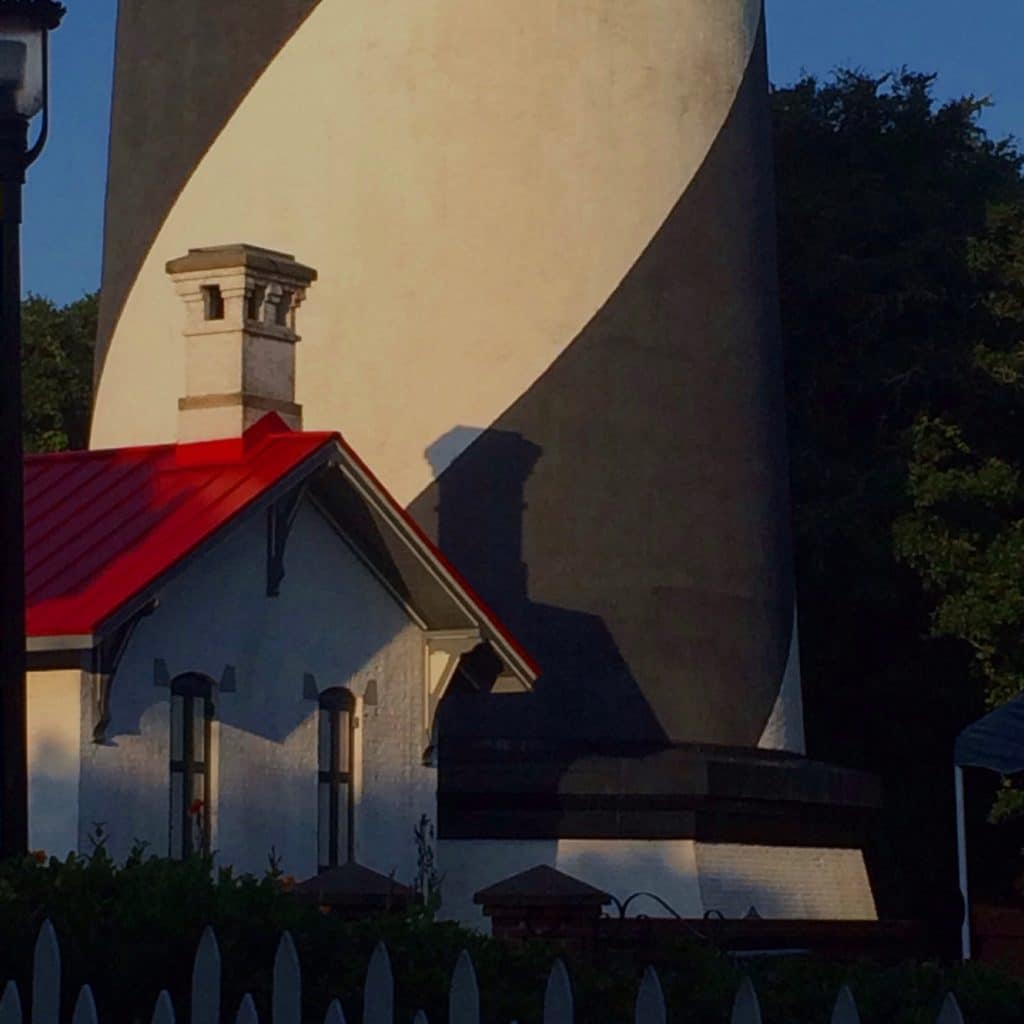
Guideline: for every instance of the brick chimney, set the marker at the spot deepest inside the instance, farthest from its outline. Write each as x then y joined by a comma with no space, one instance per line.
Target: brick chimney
239,338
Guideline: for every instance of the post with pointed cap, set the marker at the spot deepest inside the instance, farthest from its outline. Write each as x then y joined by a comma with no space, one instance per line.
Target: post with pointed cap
24,92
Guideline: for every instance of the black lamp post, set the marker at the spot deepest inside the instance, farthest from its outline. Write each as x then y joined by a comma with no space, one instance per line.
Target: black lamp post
24,89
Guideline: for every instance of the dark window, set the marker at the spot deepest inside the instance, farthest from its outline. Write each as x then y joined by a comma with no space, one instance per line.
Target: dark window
334,780
213,302
284,306
191,719
254,302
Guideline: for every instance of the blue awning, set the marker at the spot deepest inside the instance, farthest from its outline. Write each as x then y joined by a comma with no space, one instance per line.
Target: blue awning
996,741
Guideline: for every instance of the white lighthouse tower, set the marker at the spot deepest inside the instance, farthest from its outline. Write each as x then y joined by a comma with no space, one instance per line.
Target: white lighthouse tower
547,318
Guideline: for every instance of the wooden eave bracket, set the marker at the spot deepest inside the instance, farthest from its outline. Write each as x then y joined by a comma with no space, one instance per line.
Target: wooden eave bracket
443,649
106,657
280,520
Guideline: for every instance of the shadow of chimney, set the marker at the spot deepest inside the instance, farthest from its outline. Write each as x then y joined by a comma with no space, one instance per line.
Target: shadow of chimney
586,696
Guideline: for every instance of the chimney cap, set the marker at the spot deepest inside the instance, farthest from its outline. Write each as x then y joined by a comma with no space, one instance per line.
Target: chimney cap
242,255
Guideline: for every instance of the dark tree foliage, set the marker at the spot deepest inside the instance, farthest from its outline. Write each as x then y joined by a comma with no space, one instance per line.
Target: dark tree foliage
881,191
965,531
57,354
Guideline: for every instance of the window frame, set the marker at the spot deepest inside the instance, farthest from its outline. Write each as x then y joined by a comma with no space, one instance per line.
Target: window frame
332,705
190,688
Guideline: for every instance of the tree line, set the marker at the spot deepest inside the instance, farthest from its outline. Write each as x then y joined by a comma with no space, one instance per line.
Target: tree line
901,248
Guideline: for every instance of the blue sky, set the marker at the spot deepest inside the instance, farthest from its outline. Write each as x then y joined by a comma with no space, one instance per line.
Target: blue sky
975,48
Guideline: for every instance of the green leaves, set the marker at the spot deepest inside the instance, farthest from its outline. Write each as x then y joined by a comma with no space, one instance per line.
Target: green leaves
57,357
900,250
964,532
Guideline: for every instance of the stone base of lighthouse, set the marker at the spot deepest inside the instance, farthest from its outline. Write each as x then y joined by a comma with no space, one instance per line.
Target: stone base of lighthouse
703,829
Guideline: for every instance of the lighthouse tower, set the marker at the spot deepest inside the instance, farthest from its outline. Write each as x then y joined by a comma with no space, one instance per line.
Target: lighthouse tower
547,318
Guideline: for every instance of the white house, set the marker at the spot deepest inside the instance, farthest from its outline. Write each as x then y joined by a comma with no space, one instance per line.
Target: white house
240,643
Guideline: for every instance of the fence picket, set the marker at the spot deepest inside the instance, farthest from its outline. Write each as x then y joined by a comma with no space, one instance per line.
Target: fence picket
650,1000
464,994
334,1014
558,1008
286,1004
378,994
206,980
163,1011
746,1009
247,1011
845,1011
950,1012
46,977
10,1005
85,1007
379,991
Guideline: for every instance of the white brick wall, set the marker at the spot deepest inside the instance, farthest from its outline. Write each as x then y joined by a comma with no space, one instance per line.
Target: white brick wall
333,621
781,882
784,882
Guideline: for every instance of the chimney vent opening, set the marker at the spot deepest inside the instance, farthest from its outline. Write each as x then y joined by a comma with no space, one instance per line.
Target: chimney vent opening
284,308
213,302
254,302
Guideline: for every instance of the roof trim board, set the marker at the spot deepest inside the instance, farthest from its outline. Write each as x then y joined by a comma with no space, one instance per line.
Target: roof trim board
60,642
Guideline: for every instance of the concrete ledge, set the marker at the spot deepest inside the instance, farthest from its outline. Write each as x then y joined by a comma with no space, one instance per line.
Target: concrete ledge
712,794
239,254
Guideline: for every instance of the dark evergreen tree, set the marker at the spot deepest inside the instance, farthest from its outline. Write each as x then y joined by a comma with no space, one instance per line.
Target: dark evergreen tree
881,191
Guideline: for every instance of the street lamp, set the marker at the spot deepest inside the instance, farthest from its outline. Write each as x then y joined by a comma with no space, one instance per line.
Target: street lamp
24,78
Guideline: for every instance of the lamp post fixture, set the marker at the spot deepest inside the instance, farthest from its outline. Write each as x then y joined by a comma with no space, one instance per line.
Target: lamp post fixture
24,92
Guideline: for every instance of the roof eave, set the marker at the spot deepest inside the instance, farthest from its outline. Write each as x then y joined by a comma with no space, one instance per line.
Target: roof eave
491,628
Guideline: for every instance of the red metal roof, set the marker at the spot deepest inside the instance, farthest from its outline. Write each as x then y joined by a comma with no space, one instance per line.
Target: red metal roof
100,526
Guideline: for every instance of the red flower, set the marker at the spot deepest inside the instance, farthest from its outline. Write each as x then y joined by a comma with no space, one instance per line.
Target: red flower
40,856
196,807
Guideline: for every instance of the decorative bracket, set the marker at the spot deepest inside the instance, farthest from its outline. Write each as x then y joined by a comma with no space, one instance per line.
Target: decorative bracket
443,650
106,657
280,520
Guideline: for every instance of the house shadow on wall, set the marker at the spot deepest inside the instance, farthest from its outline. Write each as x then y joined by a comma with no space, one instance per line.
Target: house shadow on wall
586,695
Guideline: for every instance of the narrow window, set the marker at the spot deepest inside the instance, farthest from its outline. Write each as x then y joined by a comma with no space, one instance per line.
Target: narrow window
284,308
213,302
334,780
191,720
254,302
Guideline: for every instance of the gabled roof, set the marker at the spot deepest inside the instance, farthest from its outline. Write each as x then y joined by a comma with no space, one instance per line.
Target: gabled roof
102,528
102,525
541,886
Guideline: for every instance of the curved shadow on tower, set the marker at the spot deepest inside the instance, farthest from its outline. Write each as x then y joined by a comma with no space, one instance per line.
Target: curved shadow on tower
172,69
642,480
586,693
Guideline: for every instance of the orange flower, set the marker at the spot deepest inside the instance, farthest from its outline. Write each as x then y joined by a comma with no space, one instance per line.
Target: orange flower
196,807
40,856
288,883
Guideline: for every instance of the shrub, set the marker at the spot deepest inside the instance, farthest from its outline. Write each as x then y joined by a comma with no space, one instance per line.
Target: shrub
131,930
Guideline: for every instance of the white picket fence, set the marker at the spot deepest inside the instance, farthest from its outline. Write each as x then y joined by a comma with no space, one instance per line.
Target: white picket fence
378,993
